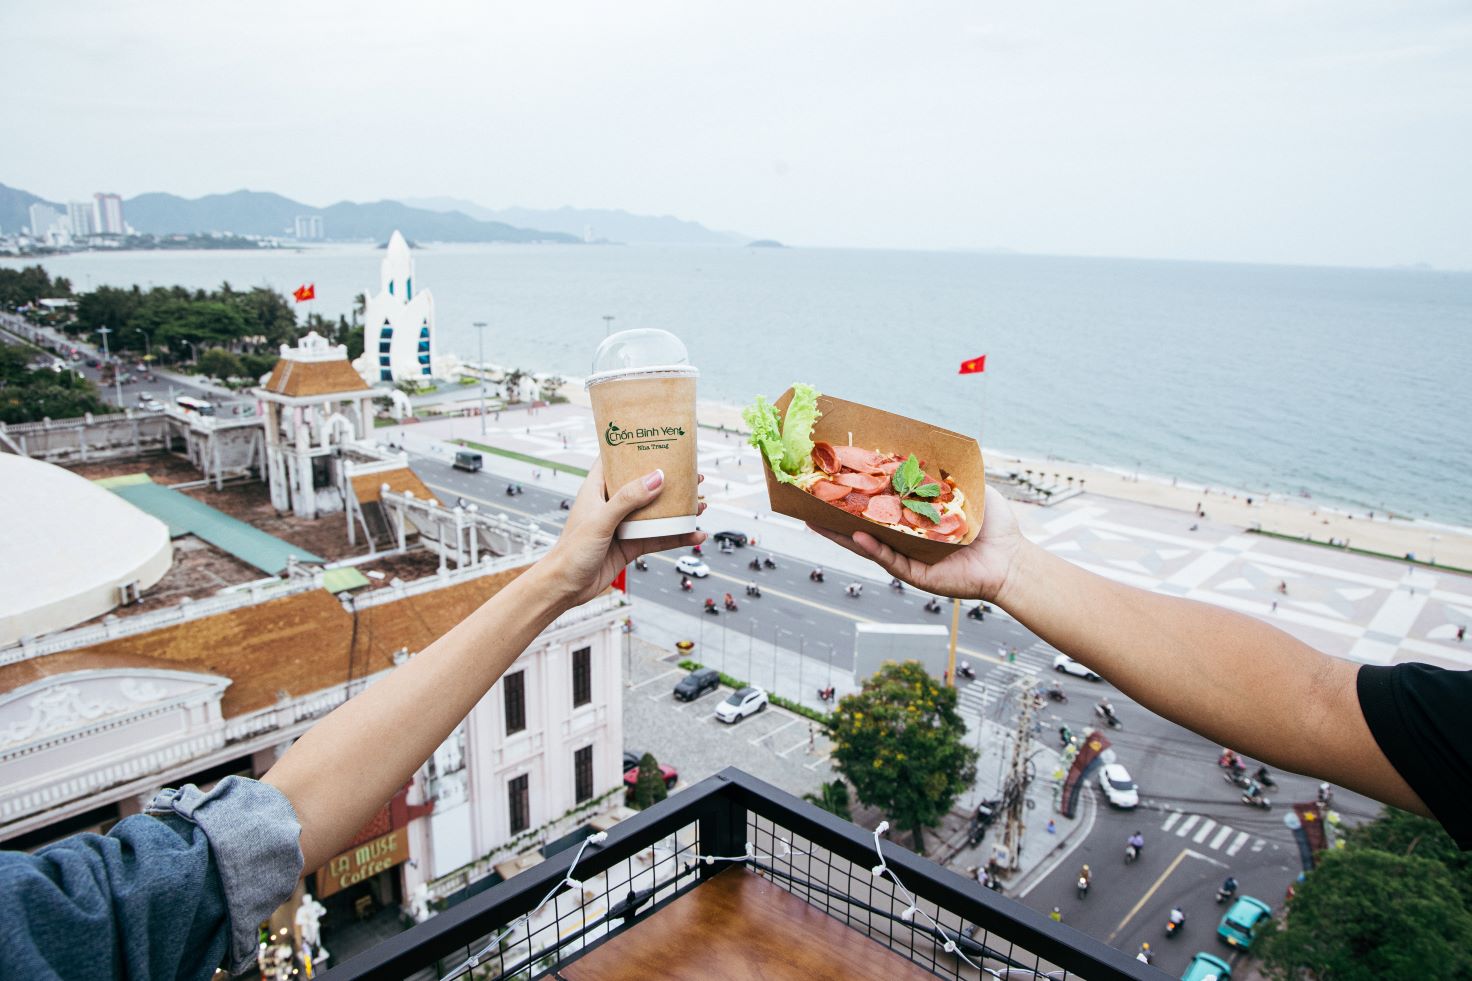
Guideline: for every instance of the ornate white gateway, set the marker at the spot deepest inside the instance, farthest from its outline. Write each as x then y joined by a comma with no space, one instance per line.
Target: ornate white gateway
75,733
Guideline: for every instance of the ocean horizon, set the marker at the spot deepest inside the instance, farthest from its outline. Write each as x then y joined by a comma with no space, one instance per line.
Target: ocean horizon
1339,384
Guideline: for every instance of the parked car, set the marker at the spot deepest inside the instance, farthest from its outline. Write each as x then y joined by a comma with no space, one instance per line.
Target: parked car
1118,788
153,405
737,538
631,771
692,565
697,683
1239,926
747,701
1067,665
1206,967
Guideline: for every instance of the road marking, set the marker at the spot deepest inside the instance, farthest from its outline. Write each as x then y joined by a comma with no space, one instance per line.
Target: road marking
650,681
1187,825
817,763
1174,817
1221,836
1257,845
1200,836
796,745
1185,853
1237,843
480,500
768,735
1079,836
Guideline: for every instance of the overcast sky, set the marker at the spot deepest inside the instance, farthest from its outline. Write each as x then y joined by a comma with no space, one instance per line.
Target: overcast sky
1335,132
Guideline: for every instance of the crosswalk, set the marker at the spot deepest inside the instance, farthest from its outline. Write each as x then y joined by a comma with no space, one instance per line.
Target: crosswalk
1209,833
977,698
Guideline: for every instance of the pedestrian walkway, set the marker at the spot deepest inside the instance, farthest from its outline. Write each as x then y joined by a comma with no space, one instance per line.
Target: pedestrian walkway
1208,833
979,697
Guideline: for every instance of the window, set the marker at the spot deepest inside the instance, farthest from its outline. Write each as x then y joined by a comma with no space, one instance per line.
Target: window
515,687
385,346
582,676
582,770
521,805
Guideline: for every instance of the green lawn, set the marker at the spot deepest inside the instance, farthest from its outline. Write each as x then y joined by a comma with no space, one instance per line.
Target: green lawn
523,457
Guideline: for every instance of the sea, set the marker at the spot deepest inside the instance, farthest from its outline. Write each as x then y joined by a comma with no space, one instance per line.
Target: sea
1347,386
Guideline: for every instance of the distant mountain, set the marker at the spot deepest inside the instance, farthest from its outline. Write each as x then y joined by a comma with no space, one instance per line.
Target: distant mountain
261,213
612,225
15,208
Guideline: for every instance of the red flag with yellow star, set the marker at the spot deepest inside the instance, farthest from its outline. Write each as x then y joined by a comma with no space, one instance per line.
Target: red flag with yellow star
974,366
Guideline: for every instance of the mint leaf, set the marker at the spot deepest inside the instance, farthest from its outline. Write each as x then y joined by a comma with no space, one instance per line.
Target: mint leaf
908,476
931,489
920,507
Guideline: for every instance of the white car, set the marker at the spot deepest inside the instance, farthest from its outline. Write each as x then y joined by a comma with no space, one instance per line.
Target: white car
152,405
1118,788
747,701
1068,665
692,565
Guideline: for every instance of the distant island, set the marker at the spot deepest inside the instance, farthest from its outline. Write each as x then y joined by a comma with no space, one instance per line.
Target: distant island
592,225
765,243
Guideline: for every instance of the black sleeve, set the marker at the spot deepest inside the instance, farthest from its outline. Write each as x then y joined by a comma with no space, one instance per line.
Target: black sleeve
1417,714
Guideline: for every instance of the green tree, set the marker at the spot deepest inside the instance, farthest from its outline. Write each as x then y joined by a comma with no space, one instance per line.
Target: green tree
21,286
833,798
221,364
649,787
511,385
1364,914
253,366
1403,833
30,396
901,743
111,307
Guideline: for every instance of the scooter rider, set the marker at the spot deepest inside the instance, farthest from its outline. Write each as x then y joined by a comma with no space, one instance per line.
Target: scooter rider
1177,915
1105,708
1228,889
1137,842
686,584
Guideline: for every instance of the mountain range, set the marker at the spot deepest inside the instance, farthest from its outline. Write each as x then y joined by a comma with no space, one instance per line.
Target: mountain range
424,220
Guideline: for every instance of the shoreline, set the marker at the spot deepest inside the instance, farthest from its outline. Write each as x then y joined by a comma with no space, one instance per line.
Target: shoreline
1440,544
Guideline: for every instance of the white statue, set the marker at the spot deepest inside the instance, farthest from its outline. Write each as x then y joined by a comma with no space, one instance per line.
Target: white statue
420,903
309,922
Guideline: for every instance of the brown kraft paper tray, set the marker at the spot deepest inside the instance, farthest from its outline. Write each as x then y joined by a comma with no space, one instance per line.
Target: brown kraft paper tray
874,429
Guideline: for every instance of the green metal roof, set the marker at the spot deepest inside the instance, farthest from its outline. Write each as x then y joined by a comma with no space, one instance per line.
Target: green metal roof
346,577
185,515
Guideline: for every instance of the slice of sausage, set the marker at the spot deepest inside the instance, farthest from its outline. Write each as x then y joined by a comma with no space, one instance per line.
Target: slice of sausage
951,524
888,467
827,490
853,503
864,483
936,536
824,457
884,509
857,457
917,520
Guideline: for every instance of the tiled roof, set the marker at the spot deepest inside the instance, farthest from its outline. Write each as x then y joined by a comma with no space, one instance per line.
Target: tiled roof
299,378
367,487
298,644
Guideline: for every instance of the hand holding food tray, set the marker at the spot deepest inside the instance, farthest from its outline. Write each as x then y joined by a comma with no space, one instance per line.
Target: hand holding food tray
846,467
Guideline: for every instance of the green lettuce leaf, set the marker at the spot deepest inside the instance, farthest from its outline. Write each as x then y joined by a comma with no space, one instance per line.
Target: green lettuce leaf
766,435
788,446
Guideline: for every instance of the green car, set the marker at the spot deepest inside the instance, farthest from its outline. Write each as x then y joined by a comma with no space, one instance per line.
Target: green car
1204,967
1240,924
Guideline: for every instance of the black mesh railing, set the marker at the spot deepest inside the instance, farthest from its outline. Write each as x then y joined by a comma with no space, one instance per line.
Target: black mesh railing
943,922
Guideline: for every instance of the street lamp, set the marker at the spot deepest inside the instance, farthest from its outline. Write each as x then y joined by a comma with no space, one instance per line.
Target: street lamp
147,347
480,334
608,319
107,359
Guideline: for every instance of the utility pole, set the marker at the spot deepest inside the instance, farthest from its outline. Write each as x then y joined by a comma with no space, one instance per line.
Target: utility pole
107,361
480,334
608,319
1014,792
955,624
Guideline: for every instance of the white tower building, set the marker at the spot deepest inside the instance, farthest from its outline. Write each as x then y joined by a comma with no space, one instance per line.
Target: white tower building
398,334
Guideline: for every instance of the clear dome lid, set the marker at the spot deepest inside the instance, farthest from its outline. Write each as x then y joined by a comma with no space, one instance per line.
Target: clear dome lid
643,347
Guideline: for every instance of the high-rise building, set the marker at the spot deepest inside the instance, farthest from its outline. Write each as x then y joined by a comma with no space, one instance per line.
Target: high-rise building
44,220
80,213
309,228
107,214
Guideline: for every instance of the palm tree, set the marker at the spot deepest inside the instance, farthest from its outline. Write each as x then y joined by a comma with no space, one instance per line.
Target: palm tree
360,304
833,798
511,384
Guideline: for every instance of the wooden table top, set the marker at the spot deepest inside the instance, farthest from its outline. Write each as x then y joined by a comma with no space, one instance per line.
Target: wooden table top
740,926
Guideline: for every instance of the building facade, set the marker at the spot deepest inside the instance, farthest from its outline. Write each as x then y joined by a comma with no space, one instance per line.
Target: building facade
80,215
107,214
45,221
398,323
309,228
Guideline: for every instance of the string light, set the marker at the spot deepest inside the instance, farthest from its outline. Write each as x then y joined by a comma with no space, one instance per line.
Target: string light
951,946
473,960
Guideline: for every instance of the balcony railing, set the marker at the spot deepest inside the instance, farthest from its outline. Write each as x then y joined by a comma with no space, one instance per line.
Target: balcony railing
537,921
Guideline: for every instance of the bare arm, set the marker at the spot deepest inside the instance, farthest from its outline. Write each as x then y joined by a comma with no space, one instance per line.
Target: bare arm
336,787
1229,677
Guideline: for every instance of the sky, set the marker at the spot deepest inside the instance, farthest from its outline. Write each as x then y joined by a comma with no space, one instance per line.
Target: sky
1335,132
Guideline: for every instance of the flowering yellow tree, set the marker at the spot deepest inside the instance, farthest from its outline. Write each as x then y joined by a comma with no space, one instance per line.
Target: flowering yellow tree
901,743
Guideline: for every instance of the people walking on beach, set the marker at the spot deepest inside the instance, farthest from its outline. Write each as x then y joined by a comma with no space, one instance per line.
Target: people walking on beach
1391,732
1461,633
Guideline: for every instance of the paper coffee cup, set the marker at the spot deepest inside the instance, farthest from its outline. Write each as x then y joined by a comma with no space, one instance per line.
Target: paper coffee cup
645,419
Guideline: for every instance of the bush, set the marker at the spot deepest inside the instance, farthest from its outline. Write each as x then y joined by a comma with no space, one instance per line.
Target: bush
649,787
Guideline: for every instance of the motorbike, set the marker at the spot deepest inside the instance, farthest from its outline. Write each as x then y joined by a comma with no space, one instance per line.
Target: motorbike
853,589
730,605
1257,801
825,694
1231,761
966,671
1083,886
564,505
1130,854
727,548
641,565
754,565
769,563
816,575
1065,736
1223,894
1173,927
1110,719
896,585
1057,695
1265,778
754,591
686,585
932,607
710,607
1238,778
695,550
975,613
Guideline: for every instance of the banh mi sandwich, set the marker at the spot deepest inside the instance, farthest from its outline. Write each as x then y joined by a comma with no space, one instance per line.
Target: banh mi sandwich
884,485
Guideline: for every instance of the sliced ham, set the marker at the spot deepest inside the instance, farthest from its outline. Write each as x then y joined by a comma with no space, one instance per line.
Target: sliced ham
827,490
917,520
865,483
825,458
952,524
857,458
884,509
888,467
936,536
853,503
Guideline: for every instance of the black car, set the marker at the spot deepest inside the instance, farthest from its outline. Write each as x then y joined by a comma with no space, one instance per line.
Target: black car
737,538
697,683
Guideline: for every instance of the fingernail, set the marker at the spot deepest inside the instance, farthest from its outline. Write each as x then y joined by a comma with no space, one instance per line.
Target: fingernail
653,480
